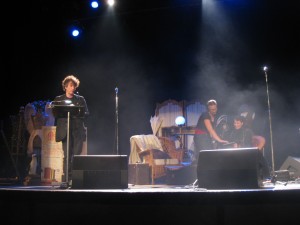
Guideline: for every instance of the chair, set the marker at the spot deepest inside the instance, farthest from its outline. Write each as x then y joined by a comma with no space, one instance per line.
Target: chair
140,143
169,147
158,159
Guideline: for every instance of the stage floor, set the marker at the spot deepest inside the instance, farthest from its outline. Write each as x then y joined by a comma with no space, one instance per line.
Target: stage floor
155,188
160,204
267,186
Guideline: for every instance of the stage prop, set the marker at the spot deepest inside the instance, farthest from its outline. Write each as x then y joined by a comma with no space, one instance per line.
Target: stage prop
166,112
52,156
100,172
234,168
292,164
139,173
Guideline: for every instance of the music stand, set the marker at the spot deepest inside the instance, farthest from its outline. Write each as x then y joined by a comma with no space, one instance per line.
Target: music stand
66,111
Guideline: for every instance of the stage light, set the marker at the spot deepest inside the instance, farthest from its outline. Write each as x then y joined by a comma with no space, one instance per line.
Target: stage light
75,32
94,4
180,120
111,2
76,29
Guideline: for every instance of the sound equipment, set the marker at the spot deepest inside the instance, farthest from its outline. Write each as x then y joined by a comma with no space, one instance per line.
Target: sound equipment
281,175
292,164
233,168
139,173
100,172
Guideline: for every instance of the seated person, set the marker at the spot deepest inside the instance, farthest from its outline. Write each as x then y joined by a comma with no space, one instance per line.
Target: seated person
240,136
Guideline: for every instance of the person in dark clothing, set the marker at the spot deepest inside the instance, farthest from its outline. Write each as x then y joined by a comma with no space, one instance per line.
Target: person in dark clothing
77,131
205,133
241,136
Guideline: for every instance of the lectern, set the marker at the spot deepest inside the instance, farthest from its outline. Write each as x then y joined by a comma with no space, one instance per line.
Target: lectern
61,109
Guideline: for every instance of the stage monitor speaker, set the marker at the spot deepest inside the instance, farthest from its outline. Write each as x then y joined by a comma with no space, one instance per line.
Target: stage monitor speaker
292,164
100,172
234,168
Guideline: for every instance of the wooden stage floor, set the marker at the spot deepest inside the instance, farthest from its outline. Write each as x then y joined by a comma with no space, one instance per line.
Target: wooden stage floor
277,203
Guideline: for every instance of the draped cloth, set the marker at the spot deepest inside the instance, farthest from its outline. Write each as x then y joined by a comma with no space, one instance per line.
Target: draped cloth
156,122
139,143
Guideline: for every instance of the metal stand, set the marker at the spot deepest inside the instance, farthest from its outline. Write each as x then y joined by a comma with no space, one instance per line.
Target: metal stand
117,123
270,120
65,185
68,149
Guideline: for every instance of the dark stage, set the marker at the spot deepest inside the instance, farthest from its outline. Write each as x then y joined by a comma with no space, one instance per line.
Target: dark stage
153,51
172,204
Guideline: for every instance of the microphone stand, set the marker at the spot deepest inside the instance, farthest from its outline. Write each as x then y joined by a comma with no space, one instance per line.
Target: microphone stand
117,122
270,120
65,185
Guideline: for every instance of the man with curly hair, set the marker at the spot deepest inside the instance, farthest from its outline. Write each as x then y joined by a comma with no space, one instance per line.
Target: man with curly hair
77,131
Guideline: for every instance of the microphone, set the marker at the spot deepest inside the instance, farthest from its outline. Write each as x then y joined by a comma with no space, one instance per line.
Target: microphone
265,68
116,90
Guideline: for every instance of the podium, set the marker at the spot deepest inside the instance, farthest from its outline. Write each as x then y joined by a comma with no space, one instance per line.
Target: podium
61,109
67,111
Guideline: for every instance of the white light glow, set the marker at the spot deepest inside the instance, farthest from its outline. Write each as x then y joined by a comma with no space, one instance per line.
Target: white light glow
110,2
180,120
94,4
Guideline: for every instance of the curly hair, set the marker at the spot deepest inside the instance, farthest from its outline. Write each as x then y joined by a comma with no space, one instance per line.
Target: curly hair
69,78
